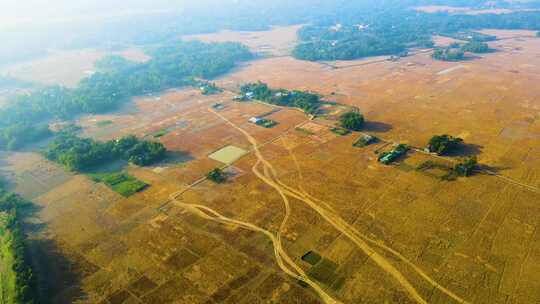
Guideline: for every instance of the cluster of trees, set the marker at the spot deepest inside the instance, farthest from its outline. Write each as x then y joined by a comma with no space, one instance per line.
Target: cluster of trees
449,53
476,47
209,88
308,102
396,29
217,176
352,121
17,271
456,51
17,135
348,42
171,66
465,168
442,144
81,154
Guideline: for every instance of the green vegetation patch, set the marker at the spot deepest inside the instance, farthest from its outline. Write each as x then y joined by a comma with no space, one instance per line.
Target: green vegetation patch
121,183
160,133
340,131
443,144
266,123
470,36
17,281
365,140
464,168
228,155
450,53
83,154
352,121
208,88
306,101
104,123
389,157
217,176
311,257
117,81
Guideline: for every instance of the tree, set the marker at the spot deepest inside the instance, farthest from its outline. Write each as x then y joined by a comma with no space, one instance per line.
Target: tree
448,54
442,144
352,121
476,47
466,167
217,176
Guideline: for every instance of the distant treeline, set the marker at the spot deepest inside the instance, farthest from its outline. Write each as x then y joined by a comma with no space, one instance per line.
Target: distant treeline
456,51
18,282
171,66
245,15
309,102
81,154
395,31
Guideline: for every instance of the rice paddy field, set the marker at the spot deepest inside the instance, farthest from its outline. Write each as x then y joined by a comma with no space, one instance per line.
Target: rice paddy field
358,231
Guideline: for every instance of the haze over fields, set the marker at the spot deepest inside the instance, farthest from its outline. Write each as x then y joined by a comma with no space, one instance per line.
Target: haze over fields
240,152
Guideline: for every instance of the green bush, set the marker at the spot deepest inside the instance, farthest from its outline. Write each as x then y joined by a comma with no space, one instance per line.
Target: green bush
352,121
442,144
217,176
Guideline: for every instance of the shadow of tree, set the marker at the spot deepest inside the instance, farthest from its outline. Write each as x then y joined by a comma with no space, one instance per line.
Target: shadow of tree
493,169
175,158
55,275
376,126
466,150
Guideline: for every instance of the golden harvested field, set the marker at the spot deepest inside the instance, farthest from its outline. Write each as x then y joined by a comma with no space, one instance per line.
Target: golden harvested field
65,67
304,199
277,42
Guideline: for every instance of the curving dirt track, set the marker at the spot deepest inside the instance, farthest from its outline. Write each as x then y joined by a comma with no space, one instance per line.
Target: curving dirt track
338,223
282,258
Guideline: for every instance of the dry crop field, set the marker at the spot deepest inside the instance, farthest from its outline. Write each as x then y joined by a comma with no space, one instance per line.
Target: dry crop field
65,67
355,230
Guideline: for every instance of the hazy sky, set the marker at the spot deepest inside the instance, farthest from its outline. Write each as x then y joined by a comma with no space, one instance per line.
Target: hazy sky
17,12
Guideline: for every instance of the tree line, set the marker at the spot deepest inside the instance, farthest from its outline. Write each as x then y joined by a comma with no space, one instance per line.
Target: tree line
25,117
81,154
18,274
456,51
395,30
306,101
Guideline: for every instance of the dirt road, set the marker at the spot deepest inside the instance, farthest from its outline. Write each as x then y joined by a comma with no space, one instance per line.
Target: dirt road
339,224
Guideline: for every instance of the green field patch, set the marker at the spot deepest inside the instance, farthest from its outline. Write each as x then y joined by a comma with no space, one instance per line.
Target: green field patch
121,183
340,131
311,257
160,133
104,123
228,155
324,271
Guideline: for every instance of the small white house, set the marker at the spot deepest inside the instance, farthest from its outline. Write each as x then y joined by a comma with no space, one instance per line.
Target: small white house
250,95
254,120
